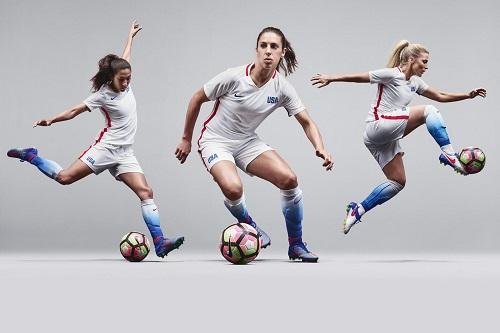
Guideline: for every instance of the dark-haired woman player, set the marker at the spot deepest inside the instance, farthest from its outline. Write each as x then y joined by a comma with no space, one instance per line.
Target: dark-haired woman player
112,149
244,96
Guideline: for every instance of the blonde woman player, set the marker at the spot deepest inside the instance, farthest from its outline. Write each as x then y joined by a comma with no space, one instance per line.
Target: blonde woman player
244,96
112,149
390,119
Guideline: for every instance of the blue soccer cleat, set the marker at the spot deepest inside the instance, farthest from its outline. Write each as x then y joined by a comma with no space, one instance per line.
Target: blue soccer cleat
265,240
352,217
165,245
454,162
26,154
299,251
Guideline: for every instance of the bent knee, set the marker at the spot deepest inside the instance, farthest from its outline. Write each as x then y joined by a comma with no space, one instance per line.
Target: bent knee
145,193
287,181
232,191
64,178
400,180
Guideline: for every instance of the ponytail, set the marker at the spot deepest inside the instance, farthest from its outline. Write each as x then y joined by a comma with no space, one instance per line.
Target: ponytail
108,67
289,62
403,51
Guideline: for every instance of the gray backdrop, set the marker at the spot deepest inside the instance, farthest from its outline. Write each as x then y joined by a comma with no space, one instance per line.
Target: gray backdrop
50,50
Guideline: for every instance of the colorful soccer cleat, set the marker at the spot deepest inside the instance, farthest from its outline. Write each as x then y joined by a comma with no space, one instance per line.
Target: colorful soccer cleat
26,154
352,217
454,162
298,250
164,245
265,240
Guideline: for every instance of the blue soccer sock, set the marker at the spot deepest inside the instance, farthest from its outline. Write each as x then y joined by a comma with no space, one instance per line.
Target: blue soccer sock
238,209
437,128
152,218
381,194
292,206
49,168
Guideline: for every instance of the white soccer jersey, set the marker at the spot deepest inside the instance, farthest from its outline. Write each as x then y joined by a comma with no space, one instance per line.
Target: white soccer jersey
120,115
394,92
241,106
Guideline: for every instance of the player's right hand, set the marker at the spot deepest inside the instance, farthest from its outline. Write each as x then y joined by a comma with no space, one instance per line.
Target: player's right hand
182,151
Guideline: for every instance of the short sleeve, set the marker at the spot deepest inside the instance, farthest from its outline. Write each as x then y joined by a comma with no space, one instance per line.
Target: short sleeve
290,100
384,75
94,101
421,85
220,84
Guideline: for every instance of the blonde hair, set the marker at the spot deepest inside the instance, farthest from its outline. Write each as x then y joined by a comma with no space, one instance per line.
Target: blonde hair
403,51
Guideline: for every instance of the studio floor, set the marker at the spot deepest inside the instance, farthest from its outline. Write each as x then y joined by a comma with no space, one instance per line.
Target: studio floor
99,292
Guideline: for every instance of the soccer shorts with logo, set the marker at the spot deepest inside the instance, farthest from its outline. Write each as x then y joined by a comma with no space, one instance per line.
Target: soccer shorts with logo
117,160
214,148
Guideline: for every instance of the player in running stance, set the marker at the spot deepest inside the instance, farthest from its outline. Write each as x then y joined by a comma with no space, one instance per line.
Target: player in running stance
244,96
112,150
390,119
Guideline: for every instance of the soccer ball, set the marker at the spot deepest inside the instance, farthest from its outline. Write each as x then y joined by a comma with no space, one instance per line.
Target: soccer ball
134,246
473,159
240,243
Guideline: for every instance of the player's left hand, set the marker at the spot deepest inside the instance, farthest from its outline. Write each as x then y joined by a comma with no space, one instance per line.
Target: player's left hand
478,92
135,28
328,161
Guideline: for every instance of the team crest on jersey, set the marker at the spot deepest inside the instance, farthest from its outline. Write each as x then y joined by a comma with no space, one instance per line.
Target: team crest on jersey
413,89
272,99
212,157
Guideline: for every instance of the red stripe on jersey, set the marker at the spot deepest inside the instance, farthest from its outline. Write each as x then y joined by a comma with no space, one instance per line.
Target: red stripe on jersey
380,91
214,111
104,130
247,70
274,74
394,117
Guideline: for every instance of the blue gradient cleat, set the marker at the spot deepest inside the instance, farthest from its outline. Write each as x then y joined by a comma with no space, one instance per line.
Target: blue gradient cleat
265,240
164,246
454,162
299,251
26,154
352,217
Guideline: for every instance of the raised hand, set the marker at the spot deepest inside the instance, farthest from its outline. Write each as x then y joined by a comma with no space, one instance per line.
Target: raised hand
135,28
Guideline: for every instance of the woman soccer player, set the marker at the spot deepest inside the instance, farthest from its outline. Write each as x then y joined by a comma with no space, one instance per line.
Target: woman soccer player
244,96
390,119
112,149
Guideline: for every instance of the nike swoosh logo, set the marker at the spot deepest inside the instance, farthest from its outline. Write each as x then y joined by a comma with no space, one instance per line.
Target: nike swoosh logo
452,160
238,96
112,98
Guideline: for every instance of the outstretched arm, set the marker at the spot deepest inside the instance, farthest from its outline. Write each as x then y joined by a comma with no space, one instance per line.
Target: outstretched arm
184,147
444,97
313,134
134,29
323,80
63,116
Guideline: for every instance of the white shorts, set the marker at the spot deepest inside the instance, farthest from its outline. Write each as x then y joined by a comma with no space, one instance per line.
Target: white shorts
240,152
117,160
382,136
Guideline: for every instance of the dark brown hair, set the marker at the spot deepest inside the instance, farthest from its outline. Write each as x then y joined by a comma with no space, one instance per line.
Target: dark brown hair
291,62
108,67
